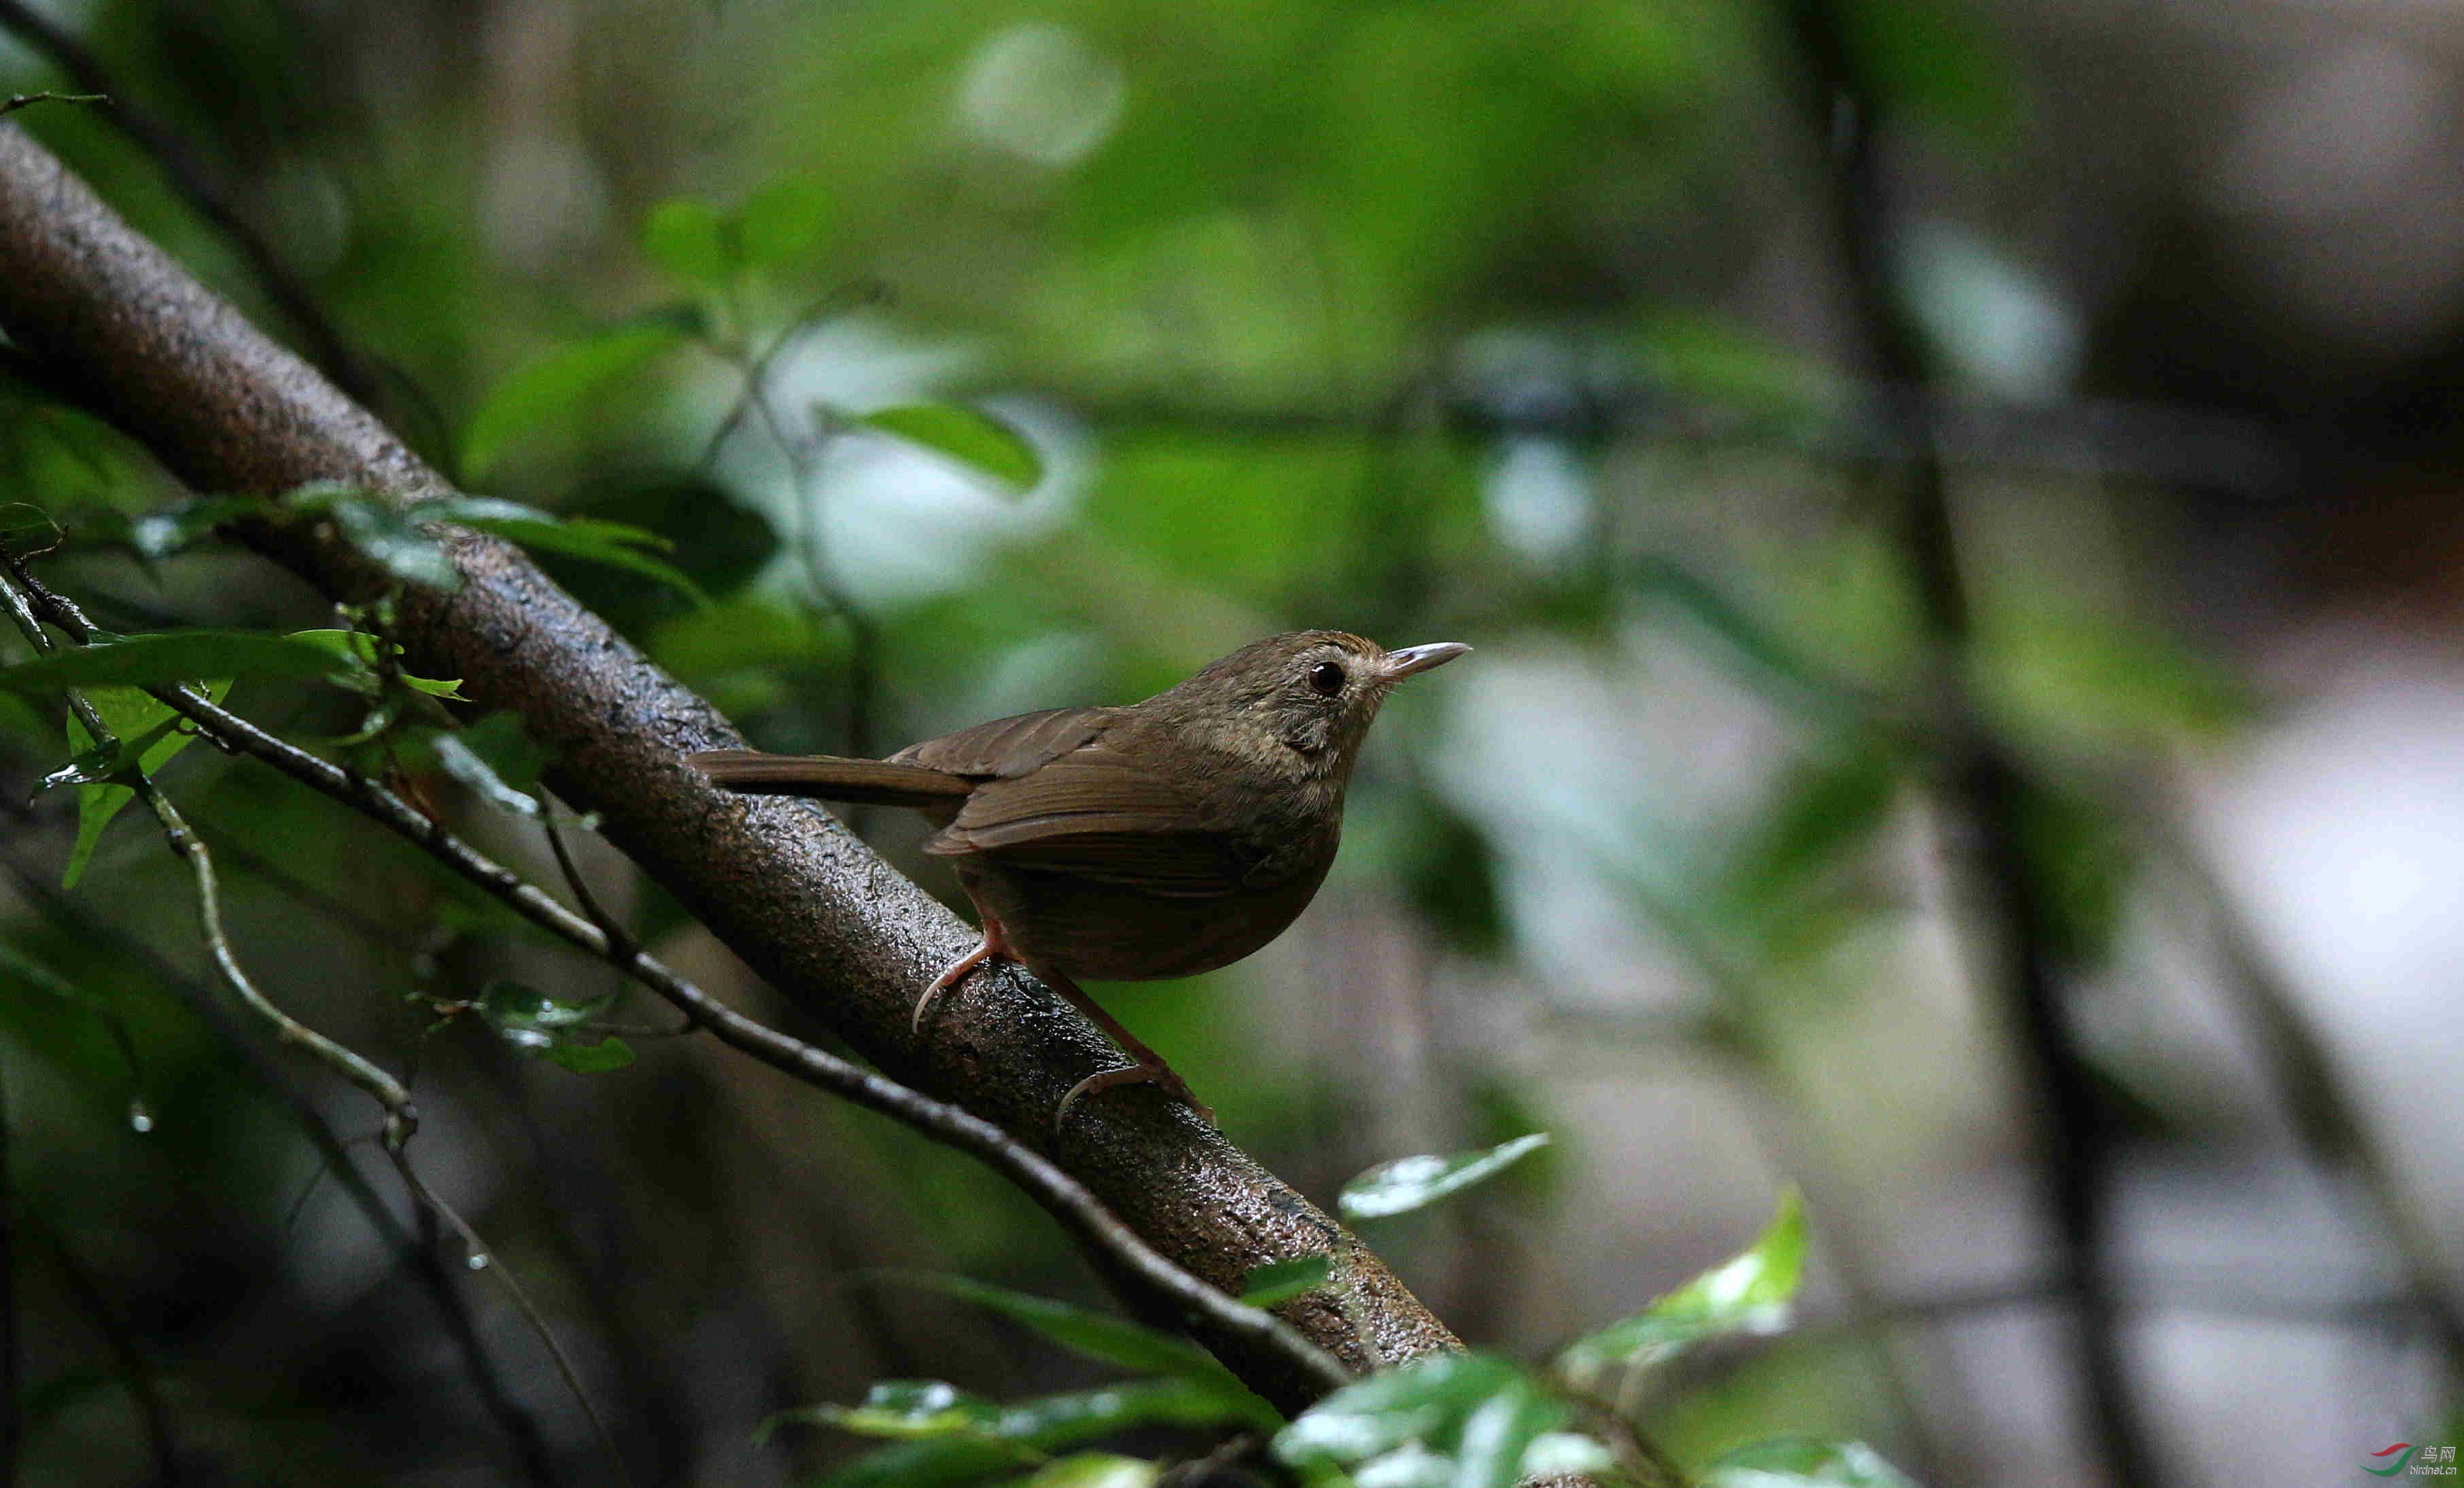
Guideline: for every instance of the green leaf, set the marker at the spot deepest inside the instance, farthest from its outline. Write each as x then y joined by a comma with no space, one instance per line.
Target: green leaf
784,223
615,544
687,239
559,387
464,764
974,439
130,715
358,650
177,656
1804,1462
1282,1280
591,1059
1410,1183
161,535
926,1417
545,1028
389,535
1095,1470
1426,1399
906,1409
1097,1335
1750,1294
1497,1430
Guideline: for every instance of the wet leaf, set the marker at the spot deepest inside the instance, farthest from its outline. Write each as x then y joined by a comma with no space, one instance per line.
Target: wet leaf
1469,1419
1410,1183
130,714
388,534
974,439
1748,1295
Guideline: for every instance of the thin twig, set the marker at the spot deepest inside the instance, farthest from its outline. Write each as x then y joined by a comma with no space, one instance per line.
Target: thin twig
401,1118
333,1154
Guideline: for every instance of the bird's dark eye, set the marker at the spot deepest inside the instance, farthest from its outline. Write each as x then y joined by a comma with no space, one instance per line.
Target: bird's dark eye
1326,679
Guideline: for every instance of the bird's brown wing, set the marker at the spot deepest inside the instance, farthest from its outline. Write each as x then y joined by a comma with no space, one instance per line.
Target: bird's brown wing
1097,813
1008,748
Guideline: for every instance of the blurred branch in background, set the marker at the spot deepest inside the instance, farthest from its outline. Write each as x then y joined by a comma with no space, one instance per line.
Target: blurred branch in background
189,176
2009,930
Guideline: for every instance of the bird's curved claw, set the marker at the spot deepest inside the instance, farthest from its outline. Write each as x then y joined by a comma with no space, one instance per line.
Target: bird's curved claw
951,975
1171,1083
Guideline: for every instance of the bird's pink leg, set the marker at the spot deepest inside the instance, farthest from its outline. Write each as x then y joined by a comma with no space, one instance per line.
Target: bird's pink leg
992,945
1150,1068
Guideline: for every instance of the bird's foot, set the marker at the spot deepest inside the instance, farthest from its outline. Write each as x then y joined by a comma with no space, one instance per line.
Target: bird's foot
951,975
1156,1074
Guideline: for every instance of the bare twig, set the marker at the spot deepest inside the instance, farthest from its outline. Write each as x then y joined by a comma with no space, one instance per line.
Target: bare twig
18,100
401,1118
486,1377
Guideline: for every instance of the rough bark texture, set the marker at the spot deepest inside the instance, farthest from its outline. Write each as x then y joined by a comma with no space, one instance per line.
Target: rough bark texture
782,883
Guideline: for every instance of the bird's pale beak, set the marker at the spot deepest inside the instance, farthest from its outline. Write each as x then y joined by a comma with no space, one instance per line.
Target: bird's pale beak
1421,657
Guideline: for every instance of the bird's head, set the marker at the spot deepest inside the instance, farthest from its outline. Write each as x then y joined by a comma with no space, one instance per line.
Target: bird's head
1310,696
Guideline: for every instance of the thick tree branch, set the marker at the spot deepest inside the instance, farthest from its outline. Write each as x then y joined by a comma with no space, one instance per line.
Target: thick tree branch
1078,1210
783,884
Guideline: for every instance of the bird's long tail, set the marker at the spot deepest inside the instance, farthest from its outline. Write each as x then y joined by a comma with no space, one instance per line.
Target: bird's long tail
871,782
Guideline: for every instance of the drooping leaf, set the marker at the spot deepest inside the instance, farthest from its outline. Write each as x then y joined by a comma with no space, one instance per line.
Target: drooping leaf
973,438
1097,1335
559,387
174,656
689,239
1804,1462
1496,1434
1748,1295
131,715
1410,1183
388,534
615,544
1282,1280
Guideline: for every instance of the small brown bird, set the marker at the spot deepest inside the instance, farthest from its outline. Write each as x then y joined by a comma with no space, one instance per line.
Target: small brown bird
1163,839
